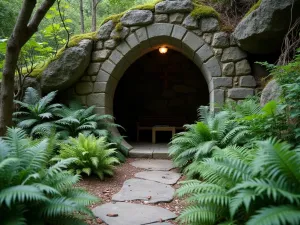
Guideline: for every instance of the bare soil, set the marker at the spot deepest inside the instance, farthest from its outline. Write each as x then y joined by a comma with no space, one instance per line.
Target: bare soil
107,188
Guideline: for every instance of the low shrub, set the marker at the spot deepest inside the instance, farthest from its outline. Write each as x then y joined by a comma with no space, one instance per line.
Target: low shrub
288,77
271,120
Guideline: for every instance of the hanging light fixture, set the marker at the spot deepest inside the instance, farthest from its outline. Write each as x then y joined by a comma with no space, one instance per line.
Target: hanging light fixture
163,50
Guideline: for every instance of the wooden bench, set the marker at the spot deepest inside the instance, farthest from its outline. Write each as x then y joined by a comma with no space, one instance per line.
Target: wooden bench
148,122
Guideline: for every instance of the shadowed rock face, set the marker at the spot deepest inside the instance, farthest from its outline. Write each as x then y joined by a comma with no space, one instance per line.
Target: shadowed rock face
263,30
272,91
65,71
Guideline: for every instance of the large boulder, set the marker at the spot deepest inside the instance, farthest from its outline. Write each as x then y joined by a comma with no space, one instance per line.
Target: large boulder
68,68
272,91
263,30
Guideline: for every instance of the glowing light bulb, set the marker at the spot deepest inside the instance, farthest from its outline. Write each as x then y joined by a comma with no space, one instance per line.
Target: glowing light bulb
163,50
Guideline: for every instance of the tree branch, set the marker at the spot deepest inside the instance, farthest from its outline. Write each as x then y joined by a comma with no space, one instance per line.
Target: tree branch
38,16
97,3
24,17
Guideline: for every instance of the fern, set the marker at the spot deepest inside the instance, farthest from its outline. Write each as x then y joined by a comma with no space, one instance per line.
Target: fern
253,186
76,119
36,113
201,139
94,155
279,161
276,215
31,193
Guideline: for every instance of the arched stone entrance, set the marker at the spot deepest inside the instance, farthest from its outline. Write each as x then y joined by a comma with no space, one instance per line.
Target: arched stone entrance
159,89
222,63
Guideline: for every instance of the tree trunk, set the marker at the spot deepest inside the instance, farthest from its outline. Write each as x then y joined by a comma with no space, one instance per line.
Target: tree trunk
23,31
94,15
81,16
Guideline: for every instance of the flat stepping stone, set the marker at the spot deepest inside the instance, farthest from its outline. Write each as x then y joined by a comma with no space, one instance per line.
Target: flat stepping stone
132,214
154,164
165,177
150,191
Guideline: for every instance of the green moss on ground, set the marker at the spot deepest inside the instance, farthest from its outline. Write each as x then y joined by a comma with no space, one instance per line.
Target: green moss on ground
203,11
254,7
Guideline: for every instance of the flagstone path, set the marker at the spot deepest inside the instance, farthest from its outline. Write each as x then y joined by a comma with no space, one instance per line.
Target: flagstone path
151,186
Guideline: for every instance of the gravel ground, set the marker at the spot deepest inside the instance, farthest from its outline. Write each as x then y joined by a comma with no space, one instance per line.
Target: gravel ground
107,188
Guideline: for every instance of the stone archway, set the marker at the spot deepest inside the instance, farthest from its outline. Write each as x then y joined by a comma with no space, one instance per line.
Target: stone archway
222,63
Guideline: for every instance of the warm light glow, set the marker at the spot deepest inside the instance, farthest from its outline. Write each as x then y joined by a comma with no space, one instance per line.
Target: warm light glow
163,50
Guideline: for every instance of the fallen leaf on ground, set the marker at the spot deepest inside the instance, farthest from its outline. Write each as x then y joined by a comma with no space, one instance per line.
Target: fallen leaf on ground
112,215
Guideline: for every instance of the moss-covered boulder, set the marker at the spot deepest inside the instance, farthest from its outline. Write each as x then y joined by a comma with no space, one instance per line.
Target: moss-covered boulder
263,30
68,68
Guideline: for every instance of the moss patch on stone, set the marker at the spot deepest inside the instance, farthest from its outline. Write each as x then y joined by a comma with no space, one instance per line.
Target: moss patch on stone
203,11
74,41
119,26
254,7
117,17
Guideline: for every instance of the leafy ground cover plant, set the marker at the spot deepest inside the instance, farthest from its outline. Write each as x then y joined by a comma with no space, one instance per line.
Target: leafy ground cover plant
270,120
246,186
94,155
38,117
76,119
200,139
36,113
288,77
31,191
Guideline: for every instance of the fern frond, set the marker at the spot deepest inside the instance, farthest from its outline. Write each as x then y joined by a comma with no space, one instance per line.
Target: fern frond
278,162
274,190
276,215
43,102
21,193
198,215
31,96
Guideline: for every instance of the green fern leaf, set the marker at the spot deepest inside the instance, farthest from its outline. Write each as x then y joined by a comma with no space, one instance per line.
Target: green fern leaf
276,215
21,193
